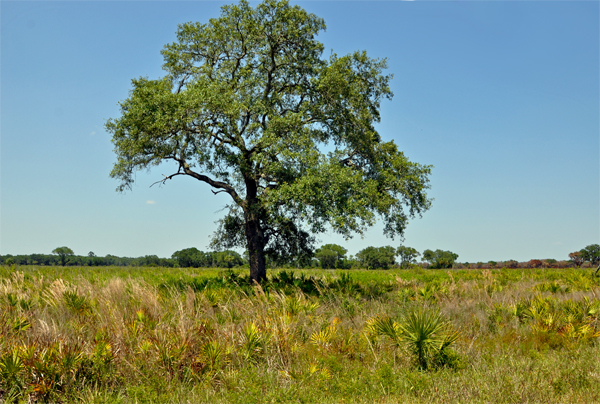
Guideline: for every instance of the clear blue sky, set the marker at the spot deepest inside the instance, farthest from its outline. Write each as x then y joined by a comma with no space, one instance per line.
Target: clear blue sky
502,98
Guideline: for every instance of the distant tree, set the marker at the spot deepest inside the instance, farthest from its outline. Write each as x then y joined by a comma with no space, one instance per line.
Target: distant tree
194,258
511,264
492,264
227,259
167,263
576,258
351,262
440,258
63,253
331,256
91,254
327,258
190,258
428,255
377,257
591,254
408,255
112,260
148,261
534,263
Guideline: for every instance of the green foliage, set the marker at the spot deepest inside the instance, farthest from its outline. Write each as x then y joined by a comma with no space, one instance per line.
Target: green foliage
249,106
331,256
76,302
190,258
324,337
408,255
345,283
425,333
63,253
440,258
327,258
214,354
377,257
252,342
12,371
428,336
194,258
591,254
553,287
379,325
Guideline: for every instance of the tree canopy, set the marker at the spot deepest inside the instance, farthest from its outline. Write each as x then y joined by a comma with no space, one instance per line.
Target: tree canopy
377,257
63,253
576,258
440,258
194,258
591,253
408,255
331,256
250,107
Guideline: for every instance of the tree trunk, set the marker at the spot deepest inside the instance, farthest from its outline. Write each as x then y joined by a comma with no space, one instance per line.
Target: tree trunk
256,249
254,233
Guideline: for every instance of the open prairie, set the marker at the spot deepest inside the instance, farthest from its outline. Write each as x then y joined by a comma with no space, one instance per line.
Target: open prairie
91,334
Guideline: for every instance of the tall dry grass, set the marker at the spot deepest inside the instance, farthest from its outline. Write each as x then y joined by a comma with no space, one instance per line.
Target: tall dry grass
511,336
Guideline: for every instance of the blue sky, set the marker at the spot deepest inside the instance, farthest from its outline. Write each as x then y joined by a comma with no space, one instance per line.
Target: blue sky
502,98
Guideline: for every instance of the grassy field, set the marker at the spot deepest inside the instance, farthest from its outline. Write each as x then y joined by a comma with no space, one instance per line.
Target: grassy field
146,335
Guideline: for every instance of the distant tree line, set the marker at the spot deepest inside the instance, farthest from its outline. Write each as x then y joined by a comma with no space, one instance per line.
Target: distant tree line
328,256
190,257
332,256
83,260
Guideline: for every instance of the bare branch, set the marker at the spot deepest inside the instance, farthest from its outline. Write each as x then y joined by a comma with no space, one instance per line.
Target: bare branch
167,177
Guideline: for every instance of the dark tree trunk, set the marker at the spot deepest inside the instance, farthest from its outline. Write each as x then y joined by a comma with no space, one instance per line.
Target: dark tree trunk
254,233
256,249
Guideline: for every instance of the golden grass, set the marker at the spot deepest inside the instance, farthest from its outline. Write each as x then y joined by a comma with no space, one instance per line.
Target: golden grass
523,337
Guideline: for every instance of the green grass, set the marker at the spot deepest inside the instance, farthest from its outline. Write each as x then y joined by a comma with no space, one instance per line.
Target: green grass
125,335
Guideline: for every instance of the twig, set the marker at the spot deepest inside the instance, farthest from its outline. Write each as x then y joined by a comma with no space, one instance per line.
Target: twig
166,178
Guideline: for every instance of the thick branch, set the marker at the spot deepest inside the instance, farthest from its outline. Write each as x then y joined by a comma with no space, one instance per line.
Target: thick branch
215,184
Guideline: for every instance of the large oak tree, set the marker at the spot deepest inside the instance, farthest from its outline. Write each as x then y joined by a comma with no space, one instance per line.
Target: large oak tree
250,107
